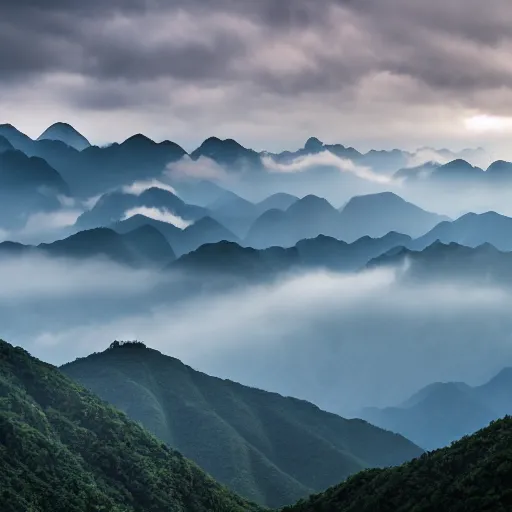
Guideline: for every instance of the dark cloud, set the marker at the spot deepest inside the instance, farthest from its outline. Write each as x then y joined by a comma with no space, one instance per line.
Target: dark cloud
363,54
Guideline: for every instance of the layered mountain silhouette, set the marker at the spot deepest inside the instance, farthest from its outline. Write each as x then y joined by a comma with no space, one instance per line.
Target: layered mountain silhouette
234,212
332,254
444,412
28,186
63,449
372,215
5,145
377,214
204,231
228,153
65,133
306,218
279,201
320,253
20,172
471,230
469,476
458,171
95,169
451,261
225,259
115,206
142,247
268,448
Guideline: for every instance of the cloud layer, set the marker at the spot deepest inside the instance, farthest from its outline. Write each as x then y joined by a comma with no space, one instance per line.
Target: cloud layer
341,341
270,73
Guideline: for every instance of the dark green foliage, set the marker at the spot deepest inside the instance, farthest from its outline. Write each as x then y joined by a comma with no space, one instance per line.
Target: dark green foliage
64,450
472,475
270,449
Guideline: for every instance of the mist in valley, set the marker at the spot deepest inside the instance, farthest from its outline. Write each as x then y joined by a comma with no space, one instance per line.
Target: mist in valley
341,341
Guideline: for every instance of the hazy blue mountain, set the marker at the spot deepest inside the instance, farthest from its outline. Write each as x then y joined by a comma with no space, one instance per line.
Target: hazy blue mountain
5,145
468,476
172,234
62,449
225,259
377,214
333,254
65,133
499,171
145,246
306,218
112,207
20,172
279,201
442,413
471,230
313,146
17,139
484,263
27,186
228,153
199,192
322,252
204,231
96,169
268,448
456,171
234,212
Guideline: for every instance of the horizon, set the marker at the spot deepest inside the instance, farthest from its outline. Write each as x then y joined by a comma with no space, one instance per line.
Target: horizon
269,75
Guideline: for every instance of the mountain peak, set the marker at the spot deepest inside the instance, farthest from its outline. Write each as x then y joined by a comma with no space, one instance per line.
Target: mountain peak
314,145
138,139
65,133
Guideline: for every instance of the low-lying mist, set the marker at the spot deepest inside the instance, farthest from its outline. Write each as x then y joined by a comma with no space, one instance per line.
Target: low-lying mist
340,341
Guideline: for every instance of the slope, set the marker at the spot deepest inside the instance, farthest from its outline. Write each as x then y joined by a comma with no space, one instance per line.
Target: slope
472,475
64,450
65,133
443,412
377,214
268,448
471,230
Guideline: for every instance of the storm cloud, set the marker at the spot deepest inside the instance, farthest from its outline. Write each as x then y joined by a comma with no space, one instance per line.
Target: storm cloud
269,73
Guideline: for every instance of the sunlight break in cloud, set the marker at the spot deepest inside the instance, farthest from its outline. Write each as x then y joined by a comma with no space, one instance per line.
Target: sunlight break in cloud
325,159
159,214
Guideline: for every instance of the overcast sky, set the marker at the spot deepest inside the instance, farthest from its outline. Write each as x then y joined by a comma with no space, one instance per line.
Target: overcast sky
269,73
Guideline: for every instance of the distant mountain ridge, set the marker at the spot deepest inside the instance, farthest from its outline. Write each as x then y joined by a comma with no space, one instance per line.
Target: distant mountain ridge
65,133
451,261
144,246
269,448
372,215
468,476
444,412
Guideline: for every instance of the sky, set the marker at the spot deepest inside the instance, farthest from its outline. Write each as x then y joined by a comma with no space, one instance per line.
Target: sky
369,73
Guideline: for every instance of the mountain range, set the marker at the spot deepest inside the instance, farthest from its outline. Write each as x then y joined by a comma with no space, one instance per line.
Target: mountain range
63,449
90,170
144,246
484,264
268,448
442,413
373,215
